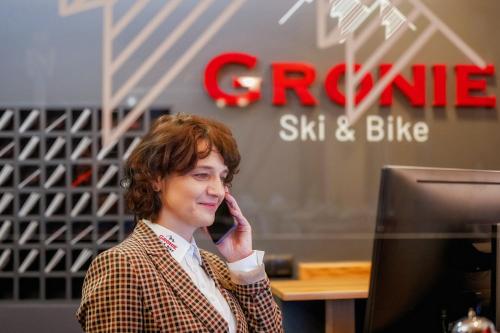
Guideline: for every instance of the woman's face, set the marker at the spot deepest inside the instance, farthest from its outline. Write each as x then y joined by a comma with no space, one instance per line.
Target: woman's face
189,201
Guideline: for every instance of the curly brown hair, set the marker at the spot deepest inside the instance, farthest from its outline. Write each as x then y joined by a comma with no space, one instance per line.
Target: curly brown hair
172,146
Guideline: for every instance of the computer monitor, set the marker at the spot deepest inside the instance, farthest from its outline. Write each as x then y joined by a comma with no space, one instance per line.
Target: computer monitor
432,257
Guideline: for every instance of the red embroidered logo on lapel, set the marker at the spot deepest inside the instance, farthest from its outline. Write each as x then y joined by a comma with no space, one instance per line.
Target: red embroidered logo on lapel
169,243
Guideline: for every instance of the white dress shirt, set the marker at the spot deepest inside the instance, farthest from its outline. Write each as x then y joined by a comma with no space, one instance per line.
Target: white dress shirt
188,256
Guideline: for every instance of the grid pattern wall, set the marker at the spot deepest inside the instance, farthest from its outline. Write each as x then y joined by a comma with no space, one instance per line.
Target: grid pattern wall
60,199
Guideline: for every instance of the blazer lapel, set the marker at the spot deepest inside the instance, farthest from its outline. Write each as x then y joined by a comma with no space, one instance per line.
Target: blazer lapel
179,280
224,288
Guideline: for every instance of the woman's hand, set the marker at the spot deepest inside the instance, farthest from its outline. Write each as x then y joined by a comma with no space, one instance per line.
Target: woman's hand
238,245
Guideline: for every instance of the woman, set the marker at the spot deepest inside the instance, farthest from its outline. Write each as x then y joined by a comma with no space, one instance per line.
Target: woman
157,280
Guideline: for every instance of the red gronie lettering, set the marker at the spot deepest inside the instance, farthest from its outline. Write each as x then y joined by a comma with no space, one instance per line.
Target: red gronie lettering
415,92
440,95
213,69
333,78
466,86
297,77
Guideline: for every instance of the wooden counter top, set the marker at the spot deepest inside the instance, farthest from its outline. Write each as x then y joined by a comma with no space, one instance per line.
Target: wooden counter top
339,284
332,288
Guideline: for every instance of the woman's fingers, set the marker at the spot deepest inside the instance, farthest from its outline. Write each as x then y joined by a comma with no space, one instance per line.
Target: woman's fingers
232,202
230,199
235,210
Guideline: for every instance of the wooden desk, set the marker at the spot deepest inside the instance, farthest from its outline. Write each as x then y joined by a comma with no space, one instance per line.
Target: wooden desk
338,293
326,270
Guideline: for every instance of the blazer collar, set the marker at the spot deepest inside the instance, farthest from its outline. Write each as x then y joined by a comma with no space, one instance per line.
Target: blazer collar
224,286
178,279
174,243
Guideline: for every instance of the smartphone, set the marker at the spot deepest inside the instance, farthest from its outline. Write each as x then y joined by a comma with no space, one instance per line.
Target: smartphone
223,225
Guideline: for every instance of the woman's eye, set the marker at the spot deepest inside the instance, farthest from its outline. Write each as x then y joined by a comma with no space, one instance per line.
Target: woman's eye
201,175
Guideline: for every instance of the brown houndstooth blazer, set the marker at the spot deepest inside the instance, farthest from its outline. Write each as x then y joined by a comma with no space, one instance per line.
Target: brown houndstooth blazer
137,286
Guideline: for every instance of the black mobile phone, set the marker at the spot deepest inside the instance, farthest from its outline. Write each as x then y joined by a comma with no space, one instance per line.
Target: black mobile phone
223,225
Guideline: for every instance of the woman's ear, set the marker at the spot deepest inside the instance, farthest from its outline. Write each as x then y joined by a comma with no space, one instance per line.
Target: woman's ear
157,184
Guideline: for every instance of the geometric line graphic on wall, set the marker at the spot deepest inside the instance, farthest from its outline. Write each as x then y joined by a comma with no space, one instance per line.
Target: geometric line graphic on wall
60,199
112,63
351,14
359,26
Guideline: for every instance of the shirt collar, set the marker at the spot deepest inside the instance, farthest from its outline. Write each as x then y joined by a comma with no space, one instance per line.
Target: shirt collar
174,243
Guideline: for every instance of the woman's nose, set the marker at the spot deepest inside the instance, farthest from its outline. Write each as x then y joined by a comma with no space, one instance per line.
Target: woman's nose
216,187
